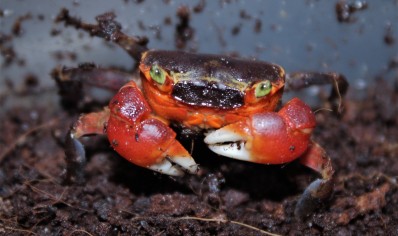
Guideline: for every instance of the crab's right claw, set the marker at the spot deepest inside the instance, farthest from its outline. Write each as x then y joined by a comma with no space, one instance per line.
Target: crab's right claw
173,159
151,144
175,162
142,138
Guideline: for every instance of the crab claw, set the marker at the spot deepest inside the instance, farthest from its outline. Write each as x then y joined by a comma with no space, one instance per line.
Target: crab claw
268,137
176,161
151,144
175,166
142,138
276,138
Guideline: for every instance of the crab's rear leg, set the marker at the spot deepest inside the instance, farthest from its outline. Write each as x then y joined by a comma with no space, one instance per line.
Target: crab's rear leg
321,189
75,155
300,80
73,82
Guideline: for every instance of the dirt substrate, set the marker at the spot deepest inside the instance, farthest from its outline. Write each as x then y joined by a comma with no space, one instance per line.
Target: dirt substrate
226,198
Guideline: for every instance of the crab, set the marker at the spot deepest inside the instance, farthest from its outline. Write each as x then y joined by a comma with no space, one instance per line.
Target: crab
232,101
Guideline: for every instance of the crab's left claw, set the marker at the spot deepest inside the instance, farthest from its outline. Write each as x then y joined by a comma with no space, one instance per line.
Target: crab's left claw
277,138
268,137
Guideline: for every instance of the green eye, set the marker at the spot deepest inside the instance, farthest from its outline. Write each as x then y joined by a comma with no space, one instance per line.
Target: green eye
157,74
263,89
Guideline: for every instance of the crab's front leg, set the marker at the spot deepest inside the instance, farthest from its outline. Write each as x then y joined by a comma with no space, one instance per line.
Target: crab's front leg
134,132
277,138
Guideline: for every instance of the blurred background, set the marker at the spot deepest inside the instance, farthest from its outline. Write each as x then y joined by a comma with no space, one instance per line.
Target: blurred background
355,38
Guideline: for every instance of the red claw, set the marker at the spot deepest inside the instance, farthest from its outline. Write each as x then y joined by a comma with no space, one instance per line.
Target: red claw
284,136
137,135
276,138
268,137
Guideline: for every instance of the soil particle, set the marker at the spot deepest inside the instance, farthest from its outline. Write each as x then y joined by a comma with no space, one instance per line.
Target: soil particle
233,198
389,38
17,29
184,32
346,8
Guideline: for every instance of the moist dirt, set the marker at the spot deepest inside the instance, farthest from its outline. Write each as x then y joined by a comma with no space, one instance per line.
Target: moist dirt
227,197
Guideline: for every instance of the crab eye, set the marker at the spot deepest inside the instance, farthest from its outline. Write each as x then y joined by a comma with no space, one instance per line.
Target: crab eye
157,74
263,89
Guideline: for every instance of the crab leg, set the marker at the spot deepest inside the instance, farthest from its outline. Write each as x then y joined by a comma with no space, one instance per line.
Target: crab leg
75,156
73,81
108,29
300,80
320,189
90,74
277,138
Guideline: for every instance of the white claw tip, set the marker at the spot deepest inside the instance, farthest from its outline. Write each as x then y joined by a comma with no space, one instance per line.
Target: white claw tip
233,150
222,135
228,143
175,166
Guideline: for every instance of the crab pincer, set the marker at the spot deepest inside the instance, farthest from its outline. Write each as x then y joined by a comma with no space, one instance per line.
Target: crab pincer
278,138
268,137
133,132
142,138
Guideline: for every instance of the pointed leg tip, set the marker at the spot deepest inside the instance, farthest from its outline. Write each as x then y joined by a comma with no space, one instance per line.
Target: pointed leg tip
75,159
312,198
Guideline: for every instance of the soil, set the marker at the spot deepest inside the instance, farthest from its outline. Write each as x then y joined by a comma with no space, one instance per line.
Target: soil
226,197
120,198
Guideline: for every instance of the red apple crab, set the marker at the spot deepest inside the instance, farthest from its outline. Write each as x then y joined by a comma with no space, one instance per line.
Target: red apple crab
232,100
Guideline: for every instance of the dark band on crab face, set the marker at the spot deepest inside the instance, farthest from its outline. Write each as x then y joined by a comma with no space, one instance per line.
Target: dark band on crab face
212,80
